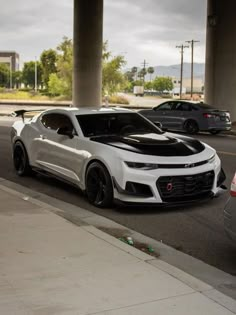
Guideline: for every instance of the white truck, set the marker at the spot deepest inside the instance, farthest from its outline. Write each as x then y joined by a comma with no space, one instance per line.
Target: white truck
138,90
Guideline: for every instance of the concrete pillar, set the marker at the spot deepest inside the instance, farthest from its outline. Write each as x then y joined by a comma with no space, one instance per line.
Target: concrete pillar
220,77
88,40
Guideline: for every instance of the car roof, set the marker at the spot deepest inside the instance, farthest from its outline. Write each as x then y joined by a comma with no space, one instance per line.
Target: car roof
187,101
90,110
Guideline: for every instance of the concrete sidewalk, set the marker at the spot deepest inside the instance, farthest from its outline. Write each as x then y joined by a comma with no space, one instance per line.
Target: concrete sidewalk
51,266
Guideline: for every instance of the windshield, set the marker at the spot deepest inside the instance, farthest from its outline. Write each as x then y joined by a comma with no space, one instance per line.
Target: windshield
115,124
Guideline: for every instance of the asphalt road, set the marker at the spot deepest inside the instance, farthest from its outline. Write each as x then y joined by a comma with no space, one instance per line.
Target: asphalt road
196,230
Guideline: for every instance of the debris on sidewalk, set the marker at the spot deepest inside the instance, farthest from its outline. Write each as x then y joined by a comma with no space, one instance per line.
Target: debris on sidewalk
146,248
130,240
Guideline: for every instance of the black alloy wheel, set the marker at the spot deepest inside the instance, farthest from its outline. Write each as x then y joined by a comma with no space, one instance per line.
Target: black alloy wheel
20,160
191,127
99,185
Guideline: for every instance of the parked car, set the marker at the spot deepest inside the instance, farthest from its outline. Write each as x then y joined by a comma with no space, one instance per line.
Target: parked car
115,154
189,116
230,212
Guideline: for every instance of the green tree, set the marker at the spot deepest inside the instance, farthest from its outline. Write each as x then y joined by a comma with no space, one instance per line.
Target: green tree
16,78
141,74
163,83
56,85
134,71
4,75
148,85
65,65
150,70
113,79
129,76
48,60
28,74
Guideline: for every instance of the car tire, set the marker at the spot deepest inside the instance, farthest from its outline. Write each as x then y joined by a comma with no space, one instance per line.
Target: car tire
191,127
215,132
21,160
99,188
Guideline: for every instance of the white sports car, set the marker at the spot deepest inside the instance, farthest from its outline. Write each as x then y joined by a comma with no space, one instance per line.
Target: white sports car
115,154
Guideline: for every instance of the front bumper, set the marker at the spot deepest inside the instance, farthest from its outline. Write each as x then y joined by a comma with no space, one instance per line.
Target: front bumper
179,186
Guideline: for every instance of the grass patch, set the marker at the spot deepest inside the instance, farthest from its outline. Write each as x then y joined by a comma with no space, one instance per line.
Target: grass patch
21,95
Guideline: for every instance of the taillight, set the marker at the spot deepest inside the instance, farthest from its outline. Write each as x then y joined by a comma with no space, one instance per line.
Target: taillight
206,115
233,187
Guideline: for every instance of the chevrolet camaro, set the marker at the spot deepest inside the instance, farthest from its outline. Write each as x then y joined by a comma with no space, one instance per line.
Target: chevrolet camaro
115,154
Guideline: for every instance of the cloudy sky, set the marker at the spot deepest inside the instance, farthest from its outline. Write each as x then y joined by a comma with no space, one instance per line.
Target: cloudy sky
139,29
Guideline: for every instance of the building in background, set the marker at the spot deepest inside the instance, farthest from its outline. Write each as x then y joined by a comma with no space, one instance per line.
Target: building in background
198,85
10,58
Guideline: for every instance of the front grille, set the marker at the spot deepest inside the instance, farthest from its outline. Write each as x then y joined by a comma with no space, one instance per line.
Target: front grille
184,188
187,165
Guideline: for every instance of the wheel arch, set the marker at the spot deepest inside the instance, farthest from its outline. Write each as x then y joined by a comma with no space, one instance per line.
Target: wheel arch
18,139
108,196
98,161
190,120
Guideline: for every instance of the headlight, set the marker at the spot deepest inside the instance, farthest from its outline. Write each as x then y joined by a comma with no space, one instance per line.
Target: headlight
212,159
142,166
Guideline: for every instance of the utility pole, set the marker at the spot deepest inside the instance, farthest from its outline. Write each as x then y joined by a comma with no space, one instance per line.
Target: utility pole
144,65
192,42
35,75
182,47
10,72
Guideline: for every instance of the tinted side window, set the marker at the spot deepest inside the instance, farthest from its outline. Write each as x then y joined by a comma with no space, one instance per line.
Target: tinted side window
166,106
183,107
176,106
56,121
195,107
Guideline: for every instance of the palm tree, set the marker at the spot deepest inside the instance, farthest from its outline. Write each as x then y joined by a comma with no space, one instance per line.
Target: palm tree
143,72
134,71
150,70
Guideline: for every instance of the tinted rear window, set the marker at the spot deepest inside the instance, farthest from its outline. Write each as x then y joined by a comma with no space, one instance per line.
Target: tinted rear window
205,106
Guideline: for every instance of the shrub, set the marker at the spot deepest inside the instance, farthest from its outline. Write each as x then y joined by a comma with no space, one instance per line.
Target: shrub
117,99
2,90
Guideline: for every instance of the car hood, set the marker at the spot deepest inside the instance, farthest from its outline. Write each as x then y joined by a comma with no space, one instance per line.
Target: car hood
153,144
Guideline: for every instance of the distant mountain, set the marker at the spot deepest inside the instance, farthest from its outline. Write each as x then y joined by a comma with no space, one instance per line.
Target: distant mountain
174,71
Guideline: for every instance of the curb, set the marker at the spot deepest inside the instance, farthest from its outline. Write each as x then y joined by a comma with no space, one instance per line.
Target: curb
201,277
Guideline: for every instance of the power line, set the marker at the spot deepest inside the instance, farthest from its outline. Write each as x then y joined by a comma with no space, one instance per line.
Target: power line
192,42
144,64
182,47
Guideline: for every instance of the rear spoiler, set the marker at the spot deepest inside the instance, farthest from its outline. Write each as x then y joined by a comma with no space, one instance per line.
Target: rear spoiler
21,112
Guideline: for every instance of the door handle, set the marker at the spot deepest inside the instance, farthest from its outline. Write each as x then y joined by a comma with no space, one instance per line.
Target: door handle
43,137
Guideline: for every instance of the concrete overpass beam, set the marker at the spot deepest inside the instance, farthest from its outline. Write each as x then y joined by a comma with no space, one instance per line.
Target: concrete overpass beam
88,40
220,77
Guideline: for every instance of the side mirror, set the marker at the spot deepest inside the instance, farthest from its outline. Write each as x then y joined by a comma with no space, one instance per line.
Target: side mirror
158,124
65,131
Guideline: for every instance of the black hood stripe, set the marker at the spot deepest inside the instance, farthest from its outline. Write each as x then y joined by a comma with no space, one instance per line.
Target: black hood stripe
153,144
